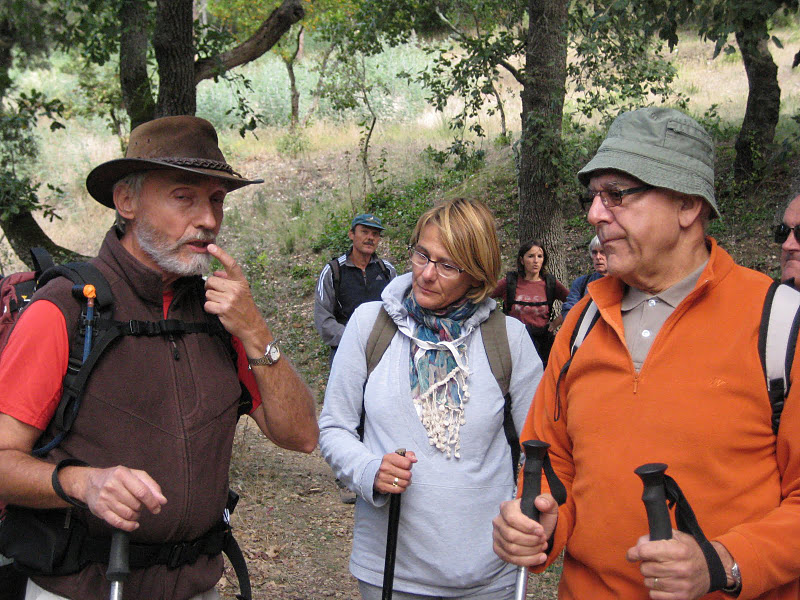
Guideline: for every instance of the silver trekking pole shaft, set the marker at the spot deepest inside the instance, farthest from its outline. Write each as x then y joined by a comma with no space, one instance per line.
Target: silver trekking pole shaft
118,568
535,452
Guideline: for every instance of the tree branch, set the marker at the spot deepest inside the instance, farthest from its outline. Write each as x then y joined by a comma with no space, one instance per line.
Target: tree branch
278,23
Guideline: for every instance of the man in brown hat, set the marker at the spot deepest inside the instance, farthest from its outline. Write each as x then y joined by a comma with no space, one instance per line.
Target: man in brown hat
150,448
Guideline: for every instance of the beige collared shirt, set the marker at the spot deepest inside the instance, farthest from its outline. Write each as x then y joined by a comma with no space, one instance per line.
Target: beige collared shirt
643,314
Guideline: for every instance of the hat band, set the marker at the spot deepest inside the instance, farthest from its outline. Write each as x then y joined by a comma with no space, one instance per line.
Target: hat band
200,163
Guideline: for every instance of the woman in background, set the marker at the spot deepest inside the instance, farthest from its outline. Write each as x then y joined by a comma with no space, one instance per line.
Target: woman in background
529,293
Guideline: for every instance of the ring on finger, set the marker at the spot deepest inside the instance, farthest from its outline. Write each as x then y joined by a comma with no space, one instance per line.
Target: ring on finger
655,583
395,482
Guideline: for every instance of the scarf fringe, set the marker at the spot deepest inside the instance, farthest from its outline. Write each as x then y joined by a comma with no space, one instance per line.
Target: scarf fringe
441,419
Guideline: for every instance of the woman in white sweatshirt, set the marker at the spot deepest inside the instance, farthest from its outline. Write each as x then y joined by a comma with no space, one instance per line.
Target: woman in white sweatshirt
433,393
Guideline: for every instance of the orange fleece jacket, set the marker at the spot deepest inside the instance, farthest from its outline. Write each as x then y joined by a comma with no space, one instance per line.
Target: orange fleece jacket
699,404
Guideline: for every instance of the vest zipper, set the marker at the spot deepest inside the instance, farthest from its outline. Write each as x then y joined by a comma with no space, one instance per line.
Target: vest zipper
636,382
175,354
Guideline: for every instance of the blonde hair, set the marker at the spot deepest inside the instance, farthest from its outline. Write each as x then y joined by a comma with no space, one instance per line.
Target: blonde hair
468,233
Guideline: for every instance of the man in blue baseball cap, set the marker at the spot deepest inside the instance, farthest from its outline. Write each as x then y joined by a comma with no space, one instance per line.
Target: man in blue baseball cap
355,277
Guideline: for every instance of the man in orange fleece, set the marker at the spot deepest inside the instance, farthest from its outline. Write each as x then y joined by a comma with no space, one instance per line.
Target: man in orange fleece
670,373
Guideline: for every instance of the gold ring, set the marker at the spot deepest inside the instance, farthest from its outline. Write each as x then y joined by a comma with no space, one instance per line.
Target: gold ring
395,482
655,583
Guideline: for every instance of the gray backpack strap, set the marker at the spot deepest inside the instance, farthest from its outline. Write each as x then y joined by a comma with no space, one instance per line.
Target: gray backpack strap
379,339
777,336
495,342
586,321
498,352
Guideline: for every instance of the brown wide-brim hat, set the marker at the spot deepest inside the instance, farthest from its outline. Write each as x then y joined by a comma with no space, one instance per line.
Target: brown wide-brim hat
182,143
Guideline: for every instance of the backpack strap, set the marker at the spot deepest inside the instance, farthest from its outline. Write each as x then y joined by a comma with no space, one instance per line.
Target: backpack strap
495,343
41,260
379,339
511,291
336,278
585,323
550,292
777,337
589,316
384,269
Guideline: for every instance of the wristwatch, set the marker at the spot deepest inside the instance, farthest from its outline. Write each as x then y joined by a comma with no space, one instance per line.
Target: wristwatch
271,355
737,581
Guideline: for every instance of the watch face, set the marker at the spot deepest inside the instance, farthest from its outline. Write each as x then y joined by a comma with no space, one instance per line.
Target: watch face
274,353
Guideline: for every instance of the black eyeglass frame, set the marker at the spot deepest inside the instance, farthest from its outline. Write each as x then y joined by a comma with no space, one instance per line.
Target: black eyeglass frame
412,250
782,232
611,198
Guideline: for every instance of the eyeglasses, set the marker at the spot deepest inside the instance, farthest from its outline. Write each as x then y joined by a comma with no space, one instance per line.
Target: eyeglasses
446,270
610,198
782,232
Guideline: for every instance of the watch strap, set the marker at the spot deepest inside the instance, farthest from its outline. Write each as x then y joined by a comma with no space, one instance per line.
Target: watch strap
266,359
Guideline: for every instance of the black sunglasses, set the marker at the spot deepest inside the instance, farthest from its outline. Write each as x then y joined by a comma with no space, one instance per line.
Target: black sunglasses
782,232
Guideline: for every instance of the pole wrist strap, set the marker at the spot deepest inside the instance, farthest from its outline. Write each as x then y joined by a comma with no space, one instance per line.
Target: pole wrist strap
67,462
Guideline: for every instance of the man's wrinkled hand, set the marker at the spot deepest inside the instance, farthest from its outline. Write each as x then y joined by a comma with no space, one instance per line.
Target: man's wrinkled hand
119,494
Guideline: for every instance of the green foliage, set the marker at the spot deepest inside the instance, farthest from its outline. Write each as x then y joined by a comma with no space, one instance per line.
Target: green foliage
334,233
619,66
18,149
293,143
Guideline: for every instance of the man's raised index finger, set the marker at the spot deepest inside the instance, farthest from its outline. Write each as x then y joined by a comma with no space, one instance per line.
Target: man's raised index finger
229,263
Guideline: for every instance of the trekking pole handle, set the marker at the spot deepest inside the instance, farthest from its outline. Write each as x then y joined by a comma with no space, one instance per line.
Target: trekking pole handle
655,500
118,564
391,541
535,452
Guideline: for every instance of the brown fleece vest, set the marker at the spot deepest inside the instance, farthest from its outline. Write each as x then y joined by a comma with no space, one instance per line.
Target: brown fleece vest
165,406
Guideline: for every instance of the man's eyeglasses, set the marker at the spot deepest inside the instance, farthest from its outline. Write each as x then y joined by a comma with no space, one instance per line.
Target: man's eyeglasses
418,259
610,198
782,232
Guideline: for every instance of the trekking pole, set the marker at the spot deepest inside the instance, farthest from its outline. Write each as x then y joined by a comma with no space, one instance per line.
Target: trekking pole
90,294
391,541
118,568
655,500
535,452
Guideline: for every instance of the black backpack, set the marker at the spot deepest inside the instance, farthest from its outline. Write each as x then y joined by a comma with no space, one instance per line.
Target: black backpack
336,276
511,293
24,531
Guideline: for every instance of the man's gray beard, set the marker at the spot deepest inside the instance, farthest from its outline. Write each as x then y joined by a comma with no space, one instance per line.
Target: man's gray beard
167,255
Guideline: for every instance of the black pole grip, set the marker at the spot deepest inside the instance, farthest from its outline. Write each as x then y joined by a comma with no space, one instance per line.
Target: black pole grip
655,500
118,565
535,452
391,541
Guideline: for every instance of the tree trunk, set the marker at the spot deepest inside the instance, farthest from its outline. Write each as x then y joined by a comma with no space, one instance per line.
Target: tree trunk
172,41
271,30
134,82
294,118
540,215
23,233
763,101
7,36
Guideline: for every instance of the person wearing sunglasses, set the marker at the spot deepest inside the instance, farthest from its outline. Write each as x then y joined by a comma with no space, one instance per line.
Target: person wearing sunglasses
787,234
433,393
669,373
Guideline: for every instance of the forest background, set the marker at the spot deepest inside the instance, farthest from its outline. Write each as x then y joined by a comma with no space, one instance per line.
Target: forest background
345,106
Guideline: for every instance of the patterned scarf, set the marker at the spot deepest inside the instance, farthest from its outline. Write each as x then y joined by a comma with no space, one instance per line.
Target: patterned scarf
438,371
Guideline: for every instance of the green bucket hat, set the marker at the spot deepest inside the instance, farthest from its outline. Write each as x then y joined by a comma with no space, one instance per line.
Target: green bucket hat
661,147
